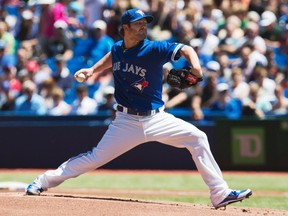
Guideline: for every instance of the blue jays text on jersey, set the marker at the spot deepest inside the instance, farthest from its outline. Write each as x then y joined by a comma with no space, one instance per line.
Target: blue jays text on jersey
138,72
130,68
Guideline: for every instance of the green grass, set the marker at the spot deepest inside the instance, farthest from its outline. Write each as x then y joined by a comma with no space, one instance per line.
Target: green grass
276,186
141,182
261,183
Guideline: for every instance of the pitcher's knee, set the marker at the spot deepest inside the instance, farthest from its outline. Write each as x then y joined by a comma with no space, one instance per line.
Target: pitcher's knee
202,139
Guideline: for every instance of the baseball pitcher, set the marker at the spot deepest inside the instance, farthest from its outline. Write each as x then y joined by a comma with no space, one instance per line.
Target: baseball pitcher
137,68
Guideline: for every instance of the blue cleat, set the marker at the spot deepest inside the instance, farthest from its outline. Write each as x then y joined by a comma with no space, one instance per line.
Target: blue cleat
32,189
234,196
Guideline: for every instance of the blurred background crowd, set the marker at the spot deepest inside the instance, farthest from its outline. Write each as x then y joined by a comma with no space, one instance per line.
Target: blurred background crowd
242,46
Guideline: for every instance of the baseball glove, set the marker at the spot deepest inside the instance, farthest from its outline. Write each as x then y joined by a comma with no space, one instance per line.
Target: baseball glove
182,78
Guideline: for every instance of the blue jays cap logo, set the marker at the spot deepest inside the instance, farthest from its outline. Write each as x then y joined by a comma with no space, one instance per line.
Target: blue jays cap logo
140,12
134,15
140,84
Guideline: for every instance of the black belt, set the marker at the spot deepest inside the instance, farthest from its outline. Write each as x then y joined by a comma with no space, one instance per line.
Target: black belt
134,112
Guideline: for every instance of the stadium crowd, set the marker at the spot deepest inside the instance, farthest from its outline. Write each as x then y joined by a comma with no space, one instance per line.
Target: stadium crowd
242,46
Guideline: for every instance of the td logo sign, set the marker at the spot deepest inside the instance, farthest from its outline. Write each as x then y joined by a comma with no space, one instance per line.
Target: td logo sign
248,146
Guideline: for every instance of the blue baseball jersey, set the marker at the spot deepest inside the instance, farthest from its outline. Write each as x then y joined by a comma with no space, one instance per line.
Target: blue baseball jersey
138,72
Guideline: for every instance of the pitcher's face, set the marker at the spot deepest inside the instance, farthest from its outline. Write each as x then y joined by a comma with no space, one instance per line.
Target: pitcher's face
138,29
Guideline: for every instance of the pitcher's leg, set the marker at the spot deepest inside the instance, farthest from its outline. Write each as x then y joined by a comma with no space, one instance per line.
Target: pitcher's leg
74,167
175,132
114,143
208,168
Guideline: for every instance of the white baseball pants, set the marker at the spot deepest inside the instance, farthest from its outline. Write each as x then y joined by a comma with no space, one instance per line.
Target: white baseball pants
128,131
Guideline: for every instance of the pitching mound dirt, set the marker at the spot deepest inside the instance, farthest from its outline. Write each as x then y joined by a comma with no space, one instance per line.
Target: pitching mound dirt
56,204
97,202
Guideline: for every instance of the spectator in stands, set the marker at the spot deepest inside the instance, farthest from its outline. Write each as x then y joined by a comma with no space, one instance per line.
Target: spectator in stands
206,16
113,23
59,43
218,17
230,37
158,34
250,58
179,99
284,80
209,93
6,36
283,9
51,13
30,103
14,84
46,21
280,105
253,16
225,104
186,32
99,43
228,7
83,105
6,60
31,68
62,76
254,105
165,15
205,97
109,102
238,87
60,9
252,37
272,66
35,71
32,51
27,29
283,47
59,107
256,5
209,43
93,11
240,10
215,67
77,27
225,66
44,73
7,96
197,113
22,57
266,85
45,90
270,29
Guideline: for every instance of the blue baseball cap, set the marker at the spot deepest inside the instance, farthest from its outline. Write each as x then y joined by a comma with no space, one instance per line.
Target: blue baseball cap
134,15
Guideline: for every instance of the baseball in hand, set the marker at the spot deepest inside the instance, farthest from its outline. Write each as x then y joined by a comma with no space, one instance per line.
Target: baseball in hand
81,77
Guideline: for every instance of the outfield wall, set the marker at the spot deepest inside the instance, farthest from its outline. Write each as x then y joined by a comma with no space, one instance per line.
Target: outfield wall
46,142
252,144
